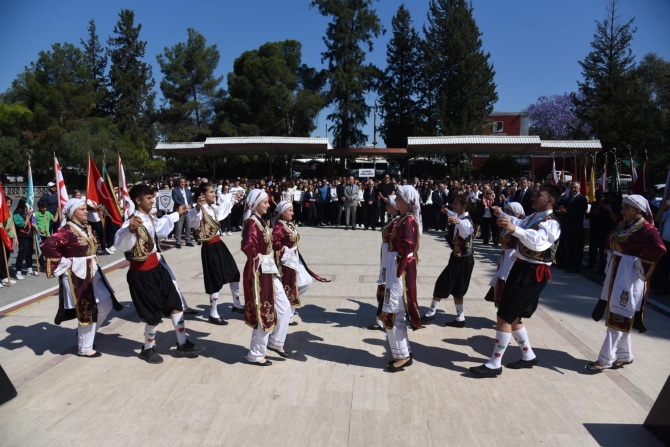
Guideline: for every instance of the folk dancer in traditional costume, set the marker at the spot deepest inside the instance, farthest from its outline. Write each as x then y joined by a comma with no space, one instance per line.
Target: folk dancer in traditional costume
266,308
296,277
391,210
218,265
84,292
455,278
633,249
400,296
537,237
151,283
508,247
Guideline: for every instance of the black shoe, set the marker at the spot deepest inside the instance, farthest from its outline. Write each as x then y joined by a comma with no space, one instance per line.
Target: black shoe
190,244
391,368
218,321
151,356
521,364
455,323
177,246
375,327
346,228
411,356
237,310
266,363
353,228
92,356
188,349
199,243
284,354
483,371
293,323
426,318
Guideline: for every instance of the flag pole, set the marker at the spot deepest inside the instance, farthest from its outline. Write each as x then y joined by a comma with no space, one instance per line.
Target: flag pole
56,177
9,278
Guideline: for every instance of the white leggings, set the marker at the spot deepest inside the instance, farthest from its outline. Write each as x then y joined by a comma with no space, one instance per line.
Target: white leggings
86,334
617,346
261,339
398,338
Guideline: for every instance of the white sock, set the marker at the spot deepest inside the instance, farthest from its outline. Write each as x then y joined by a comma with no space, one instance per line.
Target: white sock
235,292
521,337
149,336
460,316
179,328
433,308
501,342
213,303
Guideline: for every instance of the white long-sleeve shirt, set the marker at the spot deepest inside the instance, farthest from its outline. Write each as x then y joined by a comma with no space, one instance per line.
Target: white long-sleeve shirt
217,212
464,228
537,240
125,239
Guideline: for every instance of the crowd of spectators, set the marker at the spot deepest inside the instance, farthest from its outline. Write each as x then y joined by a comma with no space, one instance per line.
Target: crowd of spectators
360,203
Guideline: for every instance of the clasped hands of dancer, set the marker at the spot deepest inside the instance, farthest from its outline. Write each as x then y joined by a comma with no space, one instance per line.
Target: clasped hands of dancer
503,221
136,221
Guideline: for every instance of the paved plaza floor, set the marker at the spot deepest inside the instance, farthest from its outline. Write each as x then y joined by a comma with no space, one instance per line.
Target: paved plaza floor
334,390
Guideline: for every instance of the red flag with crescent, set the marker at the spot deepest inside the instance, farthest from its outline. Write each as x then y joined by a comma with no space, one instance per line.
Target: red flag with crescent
97,191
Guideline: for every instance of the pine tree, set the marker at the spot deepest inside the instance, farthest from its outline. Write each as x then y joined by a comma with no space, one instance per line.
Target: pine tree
189,87
95,56
131,84
399,105
458,90
614,100
353,26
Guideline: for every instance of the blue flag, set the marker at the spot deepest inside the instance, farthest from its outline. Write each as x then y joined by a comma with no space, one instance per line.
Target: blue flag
30,201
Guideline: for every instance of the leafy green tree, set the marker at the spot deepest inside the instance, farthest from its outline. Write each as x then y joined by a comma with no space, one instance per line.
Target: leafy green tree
354,24
131,83
189,87
399,95
458,91
270,92
614,100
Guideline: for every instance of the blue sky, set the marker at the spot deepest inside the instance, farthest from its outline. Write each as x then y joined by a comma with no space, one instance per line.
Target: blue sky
534,44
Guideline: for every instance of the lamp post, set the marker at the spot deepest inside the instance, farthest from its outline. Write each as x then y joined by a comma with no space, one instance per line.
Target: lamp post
374,131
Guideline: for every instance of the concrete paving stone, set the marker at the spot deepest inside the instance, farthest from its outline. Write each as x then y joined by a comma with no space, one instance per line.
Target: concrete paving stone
334,390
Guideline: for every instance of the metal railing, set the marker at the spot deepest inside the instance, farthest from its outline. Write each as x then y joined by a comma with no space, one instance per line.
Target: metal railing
21,191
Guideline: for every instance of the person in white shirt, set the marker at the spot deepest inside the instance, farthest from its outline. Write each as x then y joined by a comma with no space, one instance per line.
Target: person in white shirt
218,265
538,236
152,286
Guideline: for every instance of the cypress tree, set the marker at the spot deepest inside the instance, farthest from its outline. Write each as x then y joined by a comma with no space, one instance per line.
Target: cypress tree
614,101
131,84
458,91
353,26
398,100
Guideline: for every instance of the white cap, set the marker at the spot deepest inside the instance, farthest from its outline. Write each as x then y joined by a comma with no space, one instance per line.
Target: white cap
50,184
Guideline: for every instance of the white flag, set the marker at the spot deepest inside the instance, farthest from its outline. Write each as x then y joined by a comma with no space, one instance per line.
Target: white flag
62,191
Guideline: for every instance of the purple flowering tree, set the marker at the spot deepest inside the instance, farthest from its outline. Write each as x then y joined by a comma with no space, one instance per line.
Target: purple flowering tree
554,118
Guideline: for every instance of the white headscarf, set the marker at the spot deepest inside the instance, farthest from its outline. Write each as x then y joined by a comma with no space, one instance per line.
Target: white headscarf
516,209
255,197
391,201
410,195
639,202
71,206
281,208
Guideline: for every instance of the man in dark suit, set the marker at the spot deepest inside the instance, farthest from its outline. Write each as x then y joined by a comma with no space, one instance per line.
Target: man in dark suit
572,211
181,195
440,198
340,203
369,205
524,196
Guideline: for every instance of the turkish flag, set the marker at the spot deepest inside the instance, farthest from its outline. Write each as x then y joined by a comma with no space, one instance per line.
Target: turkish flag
638,181
97,191
4,209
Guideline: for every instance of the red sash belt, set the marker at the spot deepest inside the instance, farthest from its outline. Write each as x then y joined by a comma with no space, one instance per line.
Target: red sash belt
214,240
151,262
542,271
